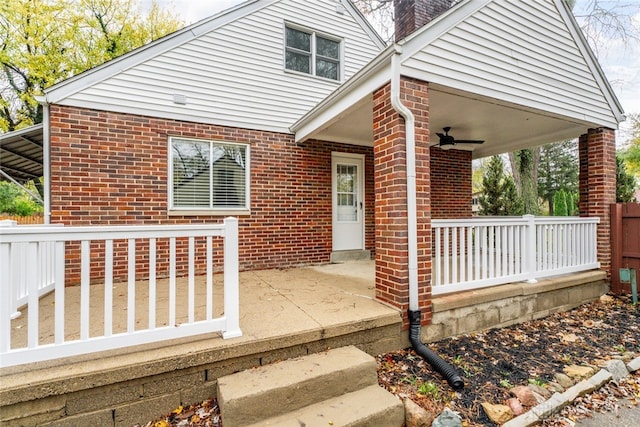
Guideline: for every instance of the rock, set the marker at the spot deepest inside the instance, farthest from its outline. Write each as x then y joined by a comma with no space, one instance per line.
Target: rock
579,372
634,365
499,414
563,380
555,387
618,369
606,298
524,395
516,406
540,390
627,356
415,416
447,418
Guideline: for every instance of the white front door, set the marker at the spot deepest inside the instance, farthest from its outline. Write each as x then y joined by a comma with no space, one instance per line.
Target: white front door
348,201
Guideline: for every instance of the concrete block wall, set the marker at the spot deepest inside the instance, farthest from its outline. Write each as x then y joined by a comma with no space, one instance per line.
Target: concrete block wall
473,311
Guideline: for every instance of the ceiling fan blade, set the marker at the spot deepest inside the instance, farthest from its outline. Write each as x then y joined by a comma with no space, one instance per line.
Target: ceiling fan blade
441,135
468,141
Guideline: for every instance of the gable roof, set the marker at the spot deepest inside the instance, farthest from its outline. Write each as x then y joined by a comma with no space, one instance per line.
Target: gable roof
70,86
512,73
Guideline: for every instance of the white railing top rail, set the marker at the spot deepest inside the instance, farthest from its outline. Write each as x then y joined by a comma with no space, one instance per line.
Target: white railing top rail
512,220
54,232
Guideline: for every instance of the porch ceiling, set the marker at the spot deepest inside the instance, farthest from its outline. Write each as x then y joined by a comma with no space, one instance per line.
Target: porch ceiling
504,127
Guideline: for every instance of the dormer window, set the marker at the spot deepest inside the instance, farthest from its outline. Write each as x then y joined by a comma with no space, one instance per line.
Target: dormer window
309,52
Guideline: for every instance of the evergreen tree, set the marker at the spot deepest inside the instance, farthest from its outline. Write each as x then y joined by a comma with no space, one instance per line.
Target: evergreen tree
499,196
558,170
560,207
625,184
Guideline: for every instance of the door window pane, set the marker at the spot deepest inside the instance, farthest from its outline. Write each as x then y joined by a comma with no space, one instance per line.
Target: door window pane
347,196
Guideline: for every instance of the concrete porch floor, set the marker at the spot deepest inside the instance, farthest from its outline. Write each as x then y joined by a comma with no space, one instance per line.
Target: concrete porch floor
283,314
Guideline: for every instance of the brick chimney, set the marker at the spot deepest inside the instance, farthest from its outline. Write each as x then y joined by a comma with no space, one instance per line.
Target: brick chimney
413,14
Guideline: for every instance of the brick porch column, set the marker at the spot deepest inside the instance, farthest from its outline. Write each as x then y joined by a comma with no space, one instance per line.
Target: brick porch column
597,153
391,243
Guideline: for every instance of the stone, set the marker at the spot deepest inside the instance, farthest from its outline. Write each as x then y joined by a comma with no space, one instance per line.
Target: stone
603,376
606,298
564,381
524,395
499,414
515,405
551,406
580,389
618,370
540,390
555,387
447,418
527,419
634,365
416,416
579,372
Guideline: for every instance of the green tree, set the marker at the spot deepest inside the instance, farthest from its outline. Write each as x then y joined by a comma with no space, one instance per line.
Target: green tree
524,165
43,42
14,201
625,184
558,170
499,196
560,207
631,155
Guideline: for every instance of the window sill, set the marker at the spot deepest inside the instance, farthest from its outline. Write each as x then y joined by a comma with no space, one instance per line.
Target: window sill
208,212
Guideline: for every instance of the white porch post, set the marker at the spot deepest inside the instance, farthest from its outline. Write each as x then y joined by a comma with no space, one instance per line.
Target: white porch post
231,279
530,255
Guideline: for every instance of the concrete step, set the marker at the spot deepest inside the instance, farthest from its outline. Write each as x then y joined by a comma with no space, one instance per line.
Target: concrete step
257,394
371,406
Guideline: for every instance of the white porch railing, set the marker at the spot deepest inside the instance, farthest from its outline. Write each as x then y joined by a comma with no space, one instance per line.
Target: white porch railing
20,288
35,256
479,252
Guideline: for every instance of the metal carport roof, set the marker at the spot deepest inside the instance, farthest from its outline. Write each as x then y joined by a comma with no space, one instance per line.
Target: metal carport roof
21,154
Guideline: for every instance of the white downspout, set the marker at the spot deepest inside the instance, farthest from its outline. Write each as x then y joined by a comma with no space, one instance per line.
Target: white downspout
412,223
46,166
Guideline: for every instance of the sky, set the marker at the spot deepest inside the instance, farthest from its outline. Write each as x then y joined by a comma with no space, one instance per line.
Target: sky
621,64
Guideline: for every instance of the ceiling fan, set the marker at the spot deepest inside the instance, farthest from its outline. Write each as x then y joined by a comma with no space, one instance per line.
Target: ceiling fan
448,141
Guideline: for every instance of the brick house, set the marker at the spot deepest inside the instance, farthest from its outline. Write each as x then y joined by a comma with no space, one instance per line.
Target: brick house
295,117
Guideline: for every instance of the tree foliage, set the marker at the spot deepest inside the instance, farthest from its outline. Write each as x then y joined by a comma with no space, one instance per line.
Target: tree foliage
631,155
558,170
499,196
560,207
43,42
625,184
14,201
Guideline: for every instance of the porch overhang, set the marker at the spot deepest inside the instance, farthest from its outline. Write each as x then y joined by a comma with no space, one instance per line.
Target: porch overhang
504,127
529,93
21,154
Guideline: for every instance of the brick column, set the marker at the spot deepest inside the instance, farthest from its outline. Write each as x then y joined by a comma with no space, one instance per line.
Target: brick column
451,183
391,242
597,151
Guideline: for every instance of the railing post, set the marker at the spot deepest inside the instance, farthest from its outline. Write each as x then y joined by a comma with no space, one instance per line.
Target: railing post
231,279
5,299
530,248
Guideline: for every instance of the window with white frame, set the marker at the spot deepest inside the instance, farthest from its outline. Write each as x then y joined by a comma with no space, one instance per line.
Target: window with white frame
208,175
309,52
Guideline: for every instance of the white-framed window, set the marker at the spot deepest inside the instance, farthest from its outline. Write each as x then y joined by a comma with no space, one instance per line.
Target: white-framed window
310,52
208,175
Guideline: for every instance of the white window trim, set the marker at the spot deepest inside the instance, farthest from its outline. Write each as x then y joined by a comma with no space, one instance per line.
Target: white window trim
199,210
313,33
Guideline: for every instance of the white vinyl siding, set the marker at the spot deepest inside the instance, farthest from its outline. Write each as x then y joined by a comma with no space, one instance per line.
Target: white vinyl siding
234,75
523,55
208,175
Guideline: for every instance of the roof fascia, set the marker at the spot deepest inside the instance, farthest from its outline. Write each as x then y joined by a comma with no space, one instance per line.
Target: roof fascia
21,132
443,23
330,108
137,56
591,60
364,23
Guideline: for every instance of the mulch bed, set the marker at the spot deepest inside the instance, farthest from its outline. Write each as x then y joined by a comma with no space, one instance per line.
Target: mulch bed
491,362
494,361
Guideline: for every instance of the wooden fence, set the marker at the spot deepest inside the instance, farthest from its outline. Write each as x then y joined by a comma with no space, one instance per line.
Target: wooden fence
625,243
24,220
